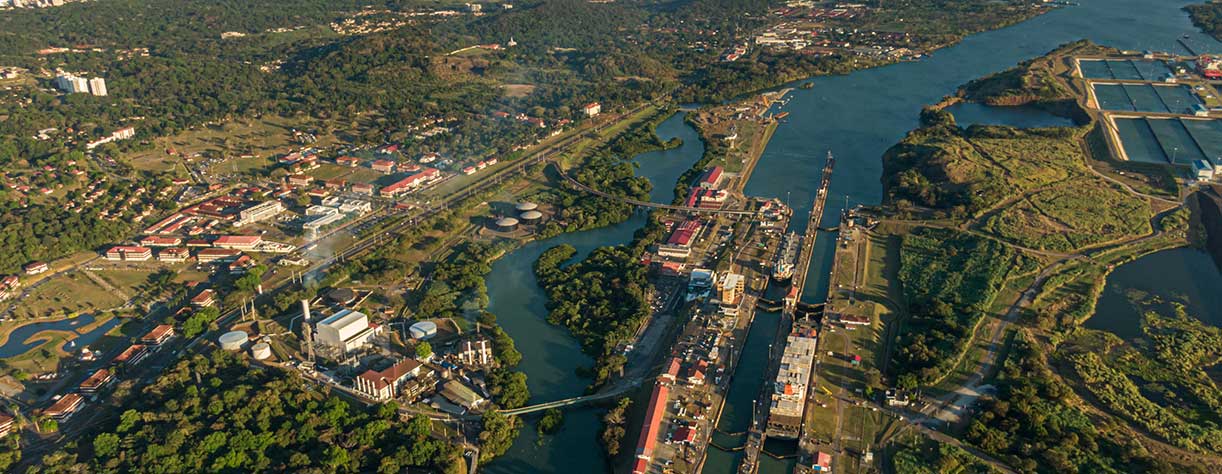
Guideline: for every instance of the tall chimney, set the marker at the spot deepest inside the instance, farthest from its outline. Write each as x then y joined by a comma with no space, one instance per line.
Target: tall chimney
307,332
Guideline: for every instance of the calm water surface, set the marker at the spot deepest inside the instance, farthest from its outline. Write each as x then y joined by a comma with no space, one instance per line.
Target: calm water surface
856,116
1184,275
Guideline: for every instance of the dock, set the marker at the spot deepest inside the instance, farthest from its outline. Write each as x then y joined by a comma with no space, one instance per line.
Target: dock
808,240
758,433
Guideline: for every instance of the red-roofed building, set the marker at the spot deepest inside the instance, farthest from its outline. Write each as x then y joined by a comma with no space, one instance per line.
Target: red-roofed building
35,268
648,438
132,355
362,188
215,255
65,407
468,170
173,254
349,161
301,180
672,370
96,381
410,183
384,166
685,434
385,385
336,183
711,178
696,375
641,466
684,233
823,462
159,241
204,299
240,242
591,109
6,425
159,334
129,253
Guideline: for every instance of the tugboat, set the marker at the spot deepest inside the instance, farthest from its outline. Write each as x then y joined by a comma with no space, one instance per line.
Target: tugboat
786,257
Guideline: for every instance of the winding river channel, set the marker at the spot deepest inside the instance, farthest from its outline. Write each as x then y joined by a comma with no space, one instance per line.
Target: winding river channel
857,117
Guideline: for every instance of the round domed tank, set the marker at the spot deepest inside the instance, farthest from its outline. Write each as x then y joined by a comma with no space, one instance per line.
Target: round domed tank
261,351
531,217
526,206
423,330
506,224
233,340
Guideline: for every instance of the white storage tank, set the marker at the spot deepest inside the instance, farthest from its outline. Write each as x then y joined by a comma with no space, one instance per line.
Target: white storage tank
527,206
531,217
506,224
423,330
233,340
261,351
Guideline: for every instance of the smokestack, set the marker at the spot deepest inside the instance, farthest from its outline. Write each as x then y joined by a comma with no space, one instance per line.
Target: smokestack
306,330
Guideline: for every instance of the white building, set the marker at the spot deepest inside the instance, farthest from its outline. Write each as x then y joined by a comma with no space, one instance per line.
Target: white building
1202,170
97,86
346,330
73,84
386,384
259,212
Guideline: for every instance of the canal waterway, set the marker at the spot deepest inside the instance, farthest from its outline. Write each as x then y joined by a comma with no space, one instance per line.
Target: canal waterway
856,116
550,354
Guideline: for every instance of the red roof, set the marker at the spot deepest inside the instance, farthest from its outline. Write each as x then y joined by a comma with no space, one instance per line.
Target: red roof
711,177
823,460
238,240
672,368
684,233
130,352
395,372
653,421
685,435
158,332
641,466
67,404
96,380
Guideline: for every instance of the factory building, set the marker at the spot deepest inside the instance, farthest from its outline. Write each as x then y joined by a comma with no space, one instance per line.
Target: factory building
385,384
346,330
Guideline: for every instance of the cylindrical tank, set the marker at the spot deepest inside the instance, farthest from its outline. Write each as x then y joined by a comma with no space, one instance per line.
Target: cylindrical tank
423,330
506,224
526,206
233,340
341,296
261,351
531,217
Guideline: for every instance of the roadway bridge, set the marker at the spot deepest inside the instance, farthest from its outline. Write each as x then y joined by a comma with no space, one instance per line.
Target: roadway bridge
646,204
604,395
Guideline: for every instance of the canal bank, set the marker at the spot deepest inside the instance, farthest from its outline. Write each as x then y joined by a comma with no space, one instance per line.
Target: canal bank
550,354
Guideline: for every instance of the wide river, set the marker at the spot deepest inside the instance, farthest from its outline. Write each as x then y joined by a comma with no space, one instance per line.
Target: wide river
855,116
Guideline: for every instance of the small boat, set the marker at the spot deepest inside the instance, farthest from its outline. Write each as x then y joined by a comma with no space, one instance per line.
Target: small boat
807,85
782,115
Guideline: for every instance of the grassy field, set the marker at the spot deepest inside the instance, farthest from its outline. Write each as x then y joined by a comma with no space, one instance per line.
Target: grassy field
1071,216
263,137
65,294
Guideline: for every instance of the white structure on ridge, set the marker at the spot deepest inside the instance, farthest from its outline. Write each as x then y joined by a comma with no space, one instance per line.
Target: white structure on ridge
74,84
